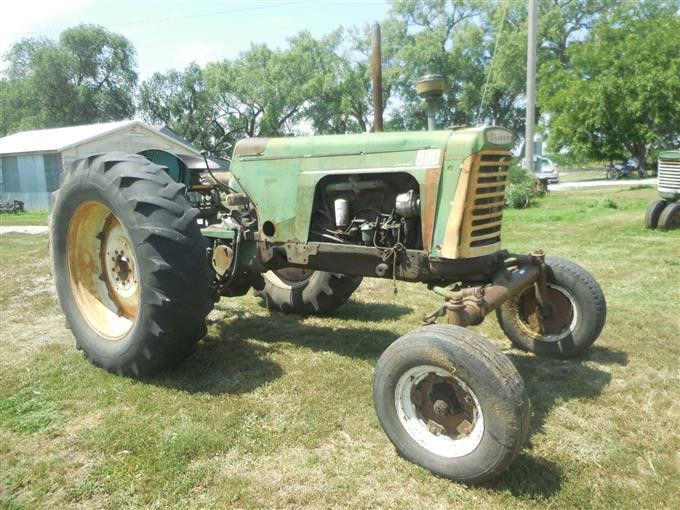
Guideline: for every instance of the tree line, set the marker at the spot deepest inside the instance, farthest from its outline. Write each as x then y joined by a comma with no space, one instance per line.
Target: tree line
608,78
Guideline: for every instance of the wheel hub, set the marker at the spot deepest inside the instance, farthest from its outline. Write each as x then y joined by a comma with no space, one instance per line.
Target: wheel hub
103,270
119,267
439,411
553,321
441,408
442,400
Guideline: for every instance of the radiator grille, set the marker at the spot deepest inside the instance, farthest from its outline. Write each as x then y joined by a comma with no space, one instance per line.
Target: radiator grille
669,175
481,226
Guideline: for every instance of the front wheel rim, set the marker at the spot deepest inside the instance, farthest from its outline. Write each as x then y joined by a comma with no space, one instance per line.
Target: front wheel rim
561,320
439,411
103,270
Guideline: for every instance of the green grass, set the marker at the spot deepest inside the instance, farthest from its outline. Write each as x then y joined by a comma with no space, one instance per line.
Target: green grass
25,218
582,175
275,411
589,174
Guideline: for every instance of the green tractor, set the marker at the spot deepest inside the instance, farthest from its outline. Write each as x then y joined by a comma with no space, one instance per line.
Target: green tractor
143,245
665,213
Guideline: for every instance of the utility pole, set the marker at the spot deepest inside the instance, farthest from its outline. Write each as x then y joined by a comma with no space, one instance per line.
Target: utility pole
532,6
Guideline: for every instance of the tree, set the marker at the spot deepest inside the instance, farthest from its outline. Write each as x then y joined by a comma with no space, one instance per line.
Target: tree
87,76
422,38
457,39
183,101
620,94
337,91
480,47
275,92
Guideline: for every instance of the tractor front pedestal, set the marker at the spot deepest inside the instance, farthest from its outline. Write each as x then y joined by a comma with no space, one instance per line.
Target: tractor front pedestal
469,306
546,305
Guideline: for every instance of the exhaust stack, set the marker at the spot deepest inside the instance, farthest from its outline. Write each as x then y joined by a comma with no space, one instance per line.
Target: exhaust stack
376,64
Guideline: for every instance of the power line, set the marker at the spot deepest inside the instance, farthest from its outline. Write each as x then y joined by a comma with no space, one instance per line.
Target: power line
162,20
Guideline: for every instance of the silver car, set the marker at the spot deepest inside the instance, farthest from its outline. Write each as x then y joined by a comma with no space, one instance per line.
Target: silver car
544,169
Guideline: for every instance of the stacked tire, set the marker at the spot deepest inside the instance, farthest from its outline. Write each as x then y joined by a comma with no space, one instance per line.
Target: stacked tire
663,214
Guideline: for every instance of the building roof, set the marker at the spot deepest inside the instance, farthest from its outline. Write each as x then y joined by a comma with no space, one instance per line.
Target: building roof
59,139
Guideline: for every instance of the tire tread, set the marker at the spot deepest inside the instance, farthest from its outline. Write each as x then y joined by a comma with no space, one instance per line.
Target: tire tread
175,294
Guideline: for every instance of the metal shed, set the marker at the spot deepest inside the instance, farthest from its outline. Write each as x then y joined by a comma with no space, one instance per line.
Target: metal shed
31,162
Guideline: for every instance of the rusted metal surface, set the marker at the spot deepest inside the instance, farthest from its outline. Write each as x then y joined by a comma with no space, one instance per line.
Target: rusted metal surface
444,406
376,66
483,211
553,317
102,270
474,223
428,193
451,245
538,258
119,267
469,306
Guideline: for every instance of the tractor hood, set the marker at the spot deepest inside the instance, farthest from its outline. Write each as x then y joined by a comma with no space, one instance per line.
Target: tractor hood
462,141
672,154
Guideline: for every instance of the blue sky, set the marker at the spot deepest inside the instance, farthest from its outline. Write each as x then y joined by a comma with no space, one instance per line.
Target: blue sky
172,33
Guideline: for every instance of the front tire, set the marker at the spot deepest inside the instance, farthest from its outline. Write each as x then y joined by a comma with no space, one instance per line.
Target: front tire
129,264
613,174
451,402
669,218
576,315
306,291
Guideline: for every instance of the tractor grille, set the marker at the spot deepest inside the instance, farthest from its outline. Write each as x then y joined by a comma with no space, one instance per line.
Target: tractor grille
481,226
669,175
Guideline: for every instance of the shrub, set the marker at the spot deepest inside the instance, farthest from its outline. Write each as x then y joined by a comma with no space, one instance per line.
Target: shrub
520,188
607,203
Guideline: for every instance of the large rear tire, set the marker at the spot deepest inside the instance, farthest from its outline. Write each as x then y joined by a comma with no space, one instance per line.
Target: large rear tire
129,264
305,291
669,219
451,402
576,315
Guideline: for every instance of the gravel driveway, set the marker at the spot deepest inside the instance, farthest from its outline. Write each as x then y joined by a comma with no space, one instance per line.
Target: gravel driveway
24,229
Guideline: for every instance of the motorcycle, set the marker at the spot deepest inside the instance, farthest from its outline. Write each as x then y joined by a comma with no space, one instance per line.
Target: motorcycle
625,169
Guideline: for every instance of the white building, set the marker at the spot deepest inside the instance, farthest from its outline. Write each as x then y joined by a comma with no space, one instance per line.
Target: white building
31,162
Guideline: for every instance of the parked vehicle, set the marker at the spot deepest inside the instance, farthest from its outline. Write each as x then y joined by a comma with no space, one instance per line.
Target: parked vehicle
665,213
302,221
546,170
624,169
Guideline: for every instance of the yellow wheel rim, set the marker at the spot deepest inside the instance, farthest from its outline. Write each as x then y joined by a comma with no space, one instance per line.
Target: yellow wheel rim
103,270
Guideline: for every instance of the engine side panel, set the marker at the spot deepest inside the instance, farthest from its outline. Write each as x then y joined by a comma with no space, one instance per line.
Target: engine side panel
283,176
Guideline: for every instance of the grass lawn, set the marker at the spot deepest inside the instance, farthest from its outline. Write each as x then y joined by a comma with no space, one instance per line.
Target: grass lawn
25,218
590,174
276,411
582,175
